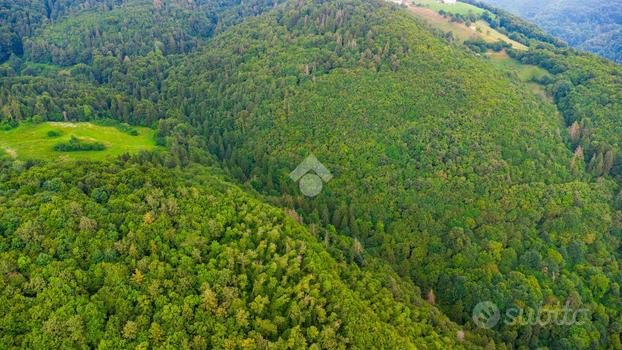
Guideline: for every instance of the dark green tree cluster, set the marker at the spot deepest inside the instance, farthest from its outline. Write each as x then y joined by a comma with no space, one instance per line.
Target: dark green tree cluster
19,19
467,18
77,145
588,92
116,28
481,46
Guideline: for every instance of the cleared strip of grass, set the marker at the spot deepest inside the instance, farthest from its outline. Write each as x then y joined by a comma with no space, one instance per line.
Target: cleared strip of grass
428,11
457,8
526,73
491,35
36,141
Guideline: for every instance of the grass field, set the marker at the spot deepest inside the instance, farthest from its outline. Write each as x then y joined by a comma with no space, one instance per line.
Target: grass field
527,73
459,8
491,35
428,11
31,141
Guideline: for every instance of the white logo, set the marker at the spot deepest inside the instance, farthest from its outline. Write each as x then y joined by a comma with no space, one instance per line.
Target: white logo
311,175
486,314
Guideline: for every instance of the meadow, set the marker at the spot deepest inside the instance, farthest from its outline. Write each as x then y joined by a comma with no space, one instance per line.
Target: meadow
457,8
37,141
428,10
527,73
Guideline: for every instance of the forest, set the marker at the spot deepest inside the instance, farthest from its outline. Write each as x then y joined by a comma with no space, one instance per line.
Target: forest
453,182
115,256
593,25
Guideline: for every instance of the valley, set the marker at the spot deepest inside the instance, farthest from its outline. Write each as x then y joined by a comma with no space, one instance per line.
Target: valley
591,25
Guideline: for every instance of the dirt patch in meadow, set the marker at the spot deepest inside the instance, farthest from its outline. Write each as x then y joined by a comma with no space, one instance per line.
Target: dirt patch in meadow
11,152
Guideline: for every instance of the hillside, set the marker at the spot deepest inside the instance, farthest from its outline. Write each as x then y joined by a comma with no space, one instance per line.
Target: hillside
115,256
172,26
594,25
462,21
472,169
440,160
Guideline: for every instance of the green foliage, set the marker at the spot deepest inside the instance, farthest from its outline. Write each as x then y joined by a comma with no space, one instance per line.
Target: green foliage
170,27
54,133
78,39
593,25
482,46
75,145
587,92
126,255
452,173
487,158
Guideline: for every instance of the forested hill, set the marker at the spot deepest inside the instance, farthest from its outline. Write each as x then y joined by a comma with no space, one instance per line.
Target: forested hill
451,174
75,30
592,25
133,255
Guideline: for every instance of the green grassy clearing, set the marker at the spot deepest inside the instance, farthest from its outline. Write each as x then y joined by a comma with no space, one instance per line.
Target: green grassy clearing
491,35
34,141
459,8
527,73
428,11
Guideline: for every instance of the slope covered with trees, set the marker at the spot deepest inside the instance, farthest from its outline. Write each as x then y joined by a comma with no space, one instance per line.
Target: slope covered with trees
450,171
437,168
20,19
594,25
50,33
131,254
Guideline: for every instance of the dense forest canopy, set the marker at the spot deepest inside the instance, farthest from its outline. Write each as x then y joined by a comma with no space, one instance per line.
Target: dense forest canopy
453,180
592,25
116,256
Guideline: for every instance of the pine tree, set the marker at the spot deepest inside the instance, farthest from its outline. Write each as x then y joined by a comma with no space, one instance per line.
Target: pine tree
575,132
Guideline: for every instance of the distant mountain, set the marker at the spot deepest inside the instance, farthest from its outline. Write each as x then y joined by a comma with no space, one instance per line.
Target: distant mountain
592,25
